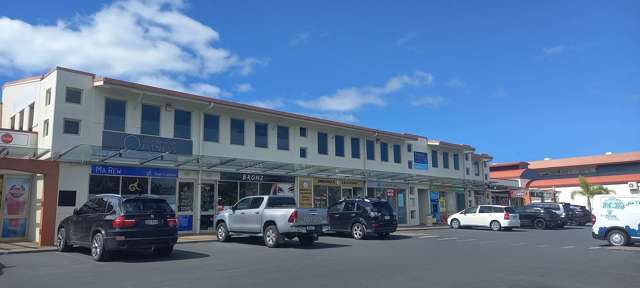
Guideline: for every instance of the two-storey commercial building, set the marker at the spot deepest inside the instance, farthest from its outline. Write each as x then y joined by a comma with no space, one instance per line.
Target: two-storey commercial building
203,154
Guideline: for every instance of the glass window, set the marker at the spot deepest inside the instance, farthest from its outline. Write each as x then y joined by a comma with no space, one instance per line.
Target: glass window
333,195
134,185
185,196
283,138
99,184
397,156
45,127
349,206
384,152
323,144
21,120
339,141
256,202
281,202
164,188
248,189
227,193
211,128
207,195
371,151
303,132
73,95
132,206
13,122
470,210
336,208
90,207
410,164
262,135
101,205
244,204
71,126
456,161
30,119
113,203
268,189
467,170
47,97
114,114
150,120
445,160
303,152
485,209
319,196
237,131
466,157
434,158
496,209
409,148
355,148
182,124
67,198
476,168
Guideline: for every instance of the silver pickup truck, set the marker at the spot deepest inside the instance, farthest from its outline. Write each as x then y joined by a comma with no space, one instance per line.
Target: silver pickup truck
272,217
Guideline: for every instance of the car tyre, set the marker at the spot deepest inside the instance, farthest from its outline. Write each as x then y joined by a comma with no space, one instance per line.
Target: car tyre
61,241
358,231
98,251
617,238
495,225
163,251
540,224
222,232
306,240
272,236
455,224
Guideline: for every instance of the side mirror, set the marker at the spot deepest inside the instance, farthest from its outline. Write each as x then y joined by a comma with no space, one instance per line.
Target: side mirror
75,212
233,208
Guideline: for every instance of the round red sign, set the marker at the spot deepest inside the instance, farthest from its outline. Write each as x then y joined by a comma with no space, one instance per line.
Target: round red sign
6,138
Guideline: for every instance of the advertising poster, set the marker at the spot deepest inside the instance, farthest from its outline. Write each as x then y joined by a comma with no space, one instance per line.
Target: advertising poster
305,197
16,205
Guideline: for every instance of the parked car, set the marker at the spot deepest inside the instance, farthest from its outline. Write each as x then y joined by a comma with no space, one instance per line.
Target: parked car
110,222
538,217
582,215
562,209
362,216
273,218
616,219
493,216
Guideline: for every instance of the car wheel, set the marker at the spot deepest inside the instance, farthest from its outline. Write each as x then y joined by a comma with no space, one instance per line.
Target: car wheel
271,236
164,251
306,240
358,231
61,241
495,225
455,224
617,238
98,252
540,224
222,232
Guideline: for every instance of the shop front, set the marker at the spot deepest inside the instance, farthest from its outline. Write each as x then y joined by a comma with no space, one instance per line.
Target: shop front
395,193
444,201
328,191
235,186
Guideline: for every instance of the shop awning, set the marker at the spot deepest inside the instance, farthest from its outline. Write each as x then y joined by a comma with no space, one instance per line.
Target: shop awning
7,151
90,154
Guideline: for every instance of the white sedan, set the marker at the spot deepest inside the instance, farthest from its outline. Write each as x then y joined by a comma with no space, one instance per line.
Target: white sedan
493,216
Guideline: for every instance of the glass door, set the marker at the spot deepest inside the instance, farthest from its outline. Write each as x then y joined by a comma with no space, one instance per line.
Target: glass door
207,206
185,206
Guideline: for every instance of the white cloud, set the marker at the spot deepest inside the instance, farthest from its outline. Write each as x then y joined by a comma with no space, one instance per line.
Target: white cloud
244,87
455,83
348,99
339,117
558,49
132,39
300,38
428,101
269,104
199,88
406,38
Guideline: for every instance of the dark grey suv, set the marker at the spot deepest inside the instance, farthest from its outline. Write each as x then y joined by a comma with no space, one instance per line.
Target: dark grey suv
362,216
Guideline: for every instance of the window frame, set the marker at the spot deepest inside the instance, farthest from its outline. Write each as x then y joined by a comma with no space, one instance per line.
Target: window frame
325,143
384,155
175,114
397,153
338,152
264,126
204,128
355,153
434,158
372,150
64,121
244,130
280,145
159,119
66,95
45,128
306,153
456,161
306,132
124,116
445,160
47,97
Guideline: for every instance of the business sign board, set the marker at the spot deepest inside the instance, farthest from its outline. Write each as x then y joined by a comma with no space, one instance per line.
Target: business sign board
133,171
18,139
120,140
420,161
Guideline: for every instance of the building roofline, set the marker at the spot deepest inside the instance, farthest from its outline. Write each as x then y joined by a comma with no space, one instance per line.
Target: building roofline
615,158
23,81
449,144
505,164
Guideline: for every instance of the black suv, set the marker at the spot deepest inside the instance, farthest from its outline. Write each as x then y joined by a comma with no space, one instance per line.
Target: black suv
362,216
582,215
538,217
110,222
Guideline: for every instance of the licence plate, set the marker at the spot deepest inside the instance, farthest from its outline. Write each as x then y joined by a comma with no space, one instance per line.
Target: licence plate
387,217
311,228
151,222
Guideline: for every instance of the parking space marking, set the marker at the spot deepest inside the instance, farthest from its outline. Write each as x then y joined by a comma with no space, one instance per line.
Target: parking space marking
449,238
542,246
568,247
519,244
594,248
428,236
466,240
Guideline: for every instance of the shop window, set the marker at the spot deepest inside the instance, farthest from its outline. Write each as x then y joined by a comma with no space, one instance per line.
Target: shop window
434,158
134,185
150,120
237,131
227,193
384,152
114,114
323,145
47,97
283,138
262,135
207,195
99,184
339,143
211,128
319,196
71,126
73,95
185,196
456,161
397,153
333,195
445,160
66,198
206,222
355,148
303,132
248,189
371,150
303,152
164,188
182,124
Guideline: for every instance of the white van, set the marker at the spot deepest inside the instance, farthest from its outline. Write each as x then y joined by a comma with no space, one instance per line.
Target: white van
616,219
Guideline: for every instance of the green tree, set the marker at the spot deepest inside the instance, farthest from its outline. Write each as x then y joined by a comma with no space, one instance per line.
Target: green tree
587,190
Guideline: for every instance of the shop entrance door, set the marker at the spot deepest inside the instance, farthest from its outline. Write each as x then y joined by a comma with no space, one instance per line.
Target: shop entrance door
402,208
185,206
207,206
435,206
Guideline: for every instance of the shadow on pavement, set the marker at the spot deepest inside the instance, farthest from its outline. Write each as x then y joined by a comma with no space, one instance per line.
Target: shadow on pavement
257,241
369,237
137,256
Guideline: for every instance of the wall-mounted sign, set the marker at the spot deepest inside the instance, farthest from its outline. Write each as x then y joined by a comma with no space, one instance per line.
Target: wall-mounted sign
12,138
252,177
337,182
420,161
305,192
133,171
119,140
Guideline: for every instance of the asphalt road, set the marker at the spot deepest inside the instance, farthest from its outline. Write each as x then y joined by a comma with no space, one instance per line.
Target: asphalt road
436,258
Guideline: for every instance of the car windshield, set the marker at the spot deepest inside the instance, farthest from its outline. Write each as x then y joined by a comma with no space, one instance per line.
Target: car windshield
281,202
509,210
134,206
382,207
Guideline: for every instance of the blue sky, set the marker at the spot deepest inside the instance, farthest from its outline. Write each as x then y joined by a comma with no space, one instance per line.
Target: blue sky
520,81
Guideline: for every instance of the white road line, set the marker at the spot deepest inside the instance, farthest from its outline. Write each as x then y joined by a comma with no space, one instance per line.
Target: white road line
568,247
466,240
450,238
519,244
594,248
428,236
542,246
